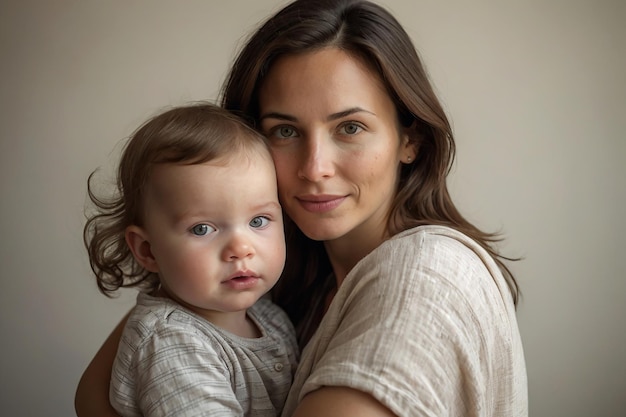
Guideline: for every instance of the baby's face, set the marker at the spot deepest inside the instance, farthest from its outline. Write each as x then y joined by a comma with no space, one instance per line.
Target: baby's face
215,231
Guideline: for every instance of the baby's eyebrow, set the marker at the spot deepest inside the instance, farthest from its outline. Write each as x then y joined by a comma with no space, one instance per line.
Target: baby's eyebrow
267,206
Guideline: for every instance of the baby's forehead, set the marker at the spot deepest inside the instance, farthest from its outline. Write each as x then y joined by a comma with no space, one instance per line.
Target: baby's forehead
242,175
253,152
250,154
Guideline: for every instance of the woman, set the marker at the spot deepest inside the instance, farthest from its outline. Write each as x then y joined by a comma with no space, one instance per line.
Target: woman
403,306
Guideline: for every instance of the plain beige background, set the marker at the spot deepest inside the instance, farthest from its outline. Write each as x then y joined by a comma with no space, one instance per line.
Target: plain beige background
535,89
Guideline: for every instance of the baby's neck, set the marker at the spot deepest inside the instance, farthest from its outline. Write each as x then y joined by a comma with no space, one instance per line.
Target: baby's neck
239,323
236,322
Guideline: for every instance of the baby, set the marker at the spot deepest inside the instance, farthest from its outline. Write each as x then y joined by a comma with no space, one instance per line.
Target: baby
196,224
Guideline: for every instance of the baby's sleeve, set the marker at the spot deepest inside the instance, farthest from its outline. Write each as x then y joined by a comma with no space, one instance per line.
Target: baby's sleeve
179,373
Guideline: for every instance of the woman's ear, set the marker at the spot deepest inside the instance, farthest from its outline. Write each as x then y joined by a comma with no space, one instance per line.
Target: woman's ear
410,144
137,241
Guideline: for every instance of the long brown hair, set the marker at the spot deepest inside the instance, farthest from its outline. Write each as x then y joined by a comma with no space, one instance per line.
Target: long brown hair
187,135
370,33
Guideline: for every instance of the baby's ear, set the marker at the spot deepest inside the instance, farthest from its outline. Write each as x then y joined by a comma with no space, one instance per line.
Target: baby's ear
137,241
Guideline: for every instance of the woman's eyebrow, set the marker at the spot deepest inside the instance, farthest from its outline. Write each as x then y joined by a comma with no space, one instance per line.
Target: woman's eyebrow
333,116
348,112
278,116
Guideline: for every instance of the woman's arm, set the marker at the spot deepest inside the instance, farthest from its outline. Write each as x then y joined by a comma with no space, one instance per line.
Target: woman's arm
340,402
92,394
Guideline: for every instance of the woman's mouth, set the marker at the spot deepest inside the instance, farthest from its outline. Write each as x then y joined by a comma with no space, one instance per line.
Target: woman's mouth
320,203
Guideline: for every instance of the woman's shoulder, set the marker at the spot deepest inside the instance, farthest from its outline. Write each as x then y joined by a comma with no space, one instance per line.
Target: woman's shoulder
439,247
435,239
436,259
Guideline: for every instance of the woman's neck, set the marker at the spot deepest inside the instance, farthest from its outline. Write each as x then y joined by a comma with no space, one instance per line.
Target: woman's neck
344,253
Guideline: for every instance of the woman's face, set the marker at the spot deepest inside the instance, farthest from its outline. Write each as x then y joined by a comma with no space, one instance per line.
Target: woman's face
336,143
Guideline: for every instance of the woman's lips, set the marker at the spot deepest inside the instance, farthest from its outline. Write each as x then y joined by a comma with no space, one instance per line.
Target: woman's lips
320,203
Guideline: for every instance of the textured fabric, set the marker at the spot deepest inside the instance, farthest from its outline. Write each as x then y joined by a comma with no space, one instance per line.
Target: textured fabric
425,324
171,362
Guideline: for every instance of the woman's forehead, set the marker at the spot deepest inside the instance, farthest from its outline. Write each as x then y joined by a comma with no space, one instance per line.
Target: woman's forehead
329,77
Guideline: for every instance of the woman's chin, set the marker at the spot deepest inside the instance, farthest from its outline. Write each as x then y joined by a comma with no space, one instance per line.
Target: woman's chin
321,233
321,227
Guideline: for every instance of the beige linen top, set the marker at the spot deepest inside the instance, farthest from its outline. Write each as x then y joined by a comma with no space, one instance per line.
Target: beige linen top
425,324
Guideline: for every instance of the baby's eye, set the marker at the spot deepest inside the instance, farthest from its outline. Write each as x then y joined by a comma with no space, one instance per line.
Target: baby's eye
259,221
201,229
351,128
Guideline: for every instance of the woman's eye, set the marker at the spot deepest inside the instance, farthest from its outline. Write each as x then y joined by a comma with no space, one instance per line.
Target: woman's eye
201,229
284,132
351,128
259,221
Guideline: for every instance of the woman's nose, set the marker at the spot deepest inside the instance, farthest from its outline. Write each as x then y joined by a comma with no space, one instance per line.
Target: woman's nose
316,158
239,246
